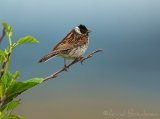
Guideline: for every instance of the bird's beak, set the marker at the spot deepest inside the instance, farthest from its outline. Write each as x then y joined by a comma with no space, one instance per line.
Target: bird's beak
89,31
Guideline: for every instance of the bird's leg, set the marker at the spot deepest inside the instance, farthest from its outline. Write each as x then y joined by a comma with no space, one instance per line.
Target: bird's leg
65,66
81,59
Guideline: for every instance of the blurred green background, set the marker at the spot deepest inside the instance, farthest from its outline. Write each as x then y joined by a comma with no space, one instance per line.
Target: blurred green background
125,76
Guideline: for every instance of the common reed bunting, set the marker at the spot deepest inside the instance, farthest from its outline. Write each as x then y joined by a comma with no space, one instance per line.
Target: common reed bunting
73,46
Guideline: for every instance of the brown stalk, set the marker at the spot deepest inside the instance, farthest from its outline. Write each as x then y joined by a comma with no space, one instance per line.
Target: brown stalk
3,34
4,63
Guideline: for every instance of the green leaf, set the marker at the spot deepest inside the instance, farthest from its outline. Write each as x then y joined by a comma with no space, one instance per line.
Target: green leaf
18,87
35,81
12,105
16,117
27,40
3,55
6,79
11,117
6,51
1,90
15,75
7,29
6,26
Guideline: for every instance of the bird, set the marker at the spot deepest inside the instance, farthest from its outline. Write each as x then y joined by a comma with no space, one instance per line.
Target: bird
72,46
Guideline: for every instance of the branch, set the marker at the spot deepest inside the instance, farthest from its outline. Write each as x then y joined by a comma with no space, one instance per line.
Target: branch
4,64
3,34
82,59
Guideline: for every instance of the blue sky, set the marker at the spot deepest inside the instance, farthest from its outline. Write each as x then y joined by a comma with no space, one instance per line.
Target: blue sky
125,75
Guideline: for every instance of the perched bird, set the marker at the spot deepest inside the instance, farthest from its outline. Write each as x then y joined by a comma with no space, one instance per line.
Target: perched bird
73,46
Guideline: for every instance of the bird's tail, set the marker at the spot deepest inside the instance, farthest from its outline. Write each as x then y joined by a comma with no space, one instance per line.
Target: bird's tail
47,57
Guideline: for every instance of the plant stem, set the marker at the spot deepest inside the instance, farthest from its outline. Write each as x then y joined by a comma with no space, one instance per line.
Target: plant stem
10,42
9,54
7,63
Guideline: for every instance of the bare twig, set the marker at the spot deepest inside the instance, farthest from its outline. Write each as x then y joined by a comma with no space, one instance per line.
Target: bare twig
4,63
3,34
54,75
3,68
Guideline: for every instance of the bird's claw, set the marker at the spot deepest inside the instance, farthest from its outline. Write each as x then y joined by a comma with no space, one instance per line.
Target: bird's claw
65,68
81,60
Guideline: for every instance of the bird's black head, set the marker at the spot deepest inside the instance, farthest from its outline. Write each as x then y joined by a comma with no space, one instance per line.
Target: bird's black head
83,29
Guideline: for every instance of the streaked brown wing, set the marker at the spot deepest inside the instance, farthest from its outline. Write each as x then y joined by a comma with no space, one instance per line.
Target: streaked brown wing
64,42
71,41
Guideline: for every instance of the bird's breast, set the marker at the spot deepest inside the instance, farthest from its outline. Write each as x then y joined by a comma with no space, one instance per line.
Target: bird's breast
79,51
